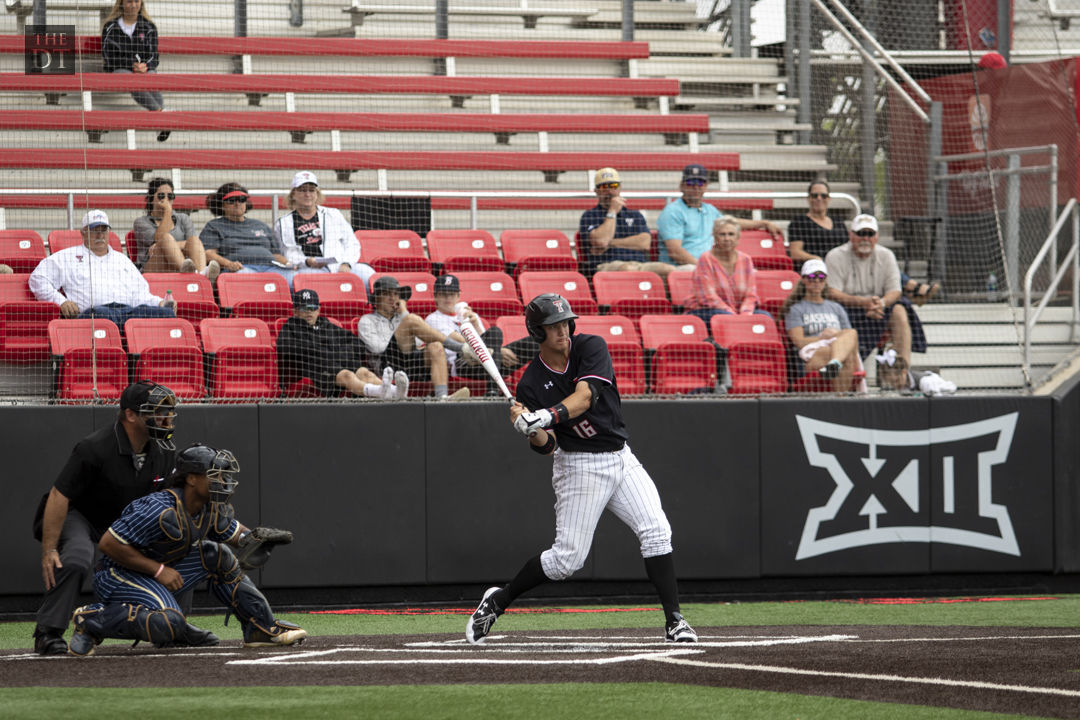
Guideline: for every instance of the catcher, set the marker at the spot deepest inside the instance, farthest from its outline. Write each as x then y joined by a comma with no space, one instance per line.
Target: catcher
174,539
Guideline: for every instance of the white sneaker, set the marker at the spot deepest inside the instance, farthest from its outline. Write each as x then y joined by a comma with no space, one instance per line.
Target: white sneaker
401,385
212,270
460,394
387,383
188,266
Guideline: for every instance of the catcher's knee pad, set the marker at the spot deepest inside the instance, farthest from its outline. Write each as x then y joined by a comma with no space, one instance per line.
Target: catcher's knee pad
159,626
128,622
220,563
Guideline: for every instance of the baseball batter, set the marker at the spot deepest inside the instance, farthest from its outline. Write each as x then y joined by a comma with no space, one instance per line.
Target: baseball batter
578,418
170,540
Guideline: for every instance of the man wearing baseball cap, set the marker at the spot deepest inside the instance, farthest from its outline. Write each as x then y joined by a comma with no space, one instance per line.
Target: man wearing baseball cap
865,278
94,280
318,238
310,346
393,334
611,235
686,224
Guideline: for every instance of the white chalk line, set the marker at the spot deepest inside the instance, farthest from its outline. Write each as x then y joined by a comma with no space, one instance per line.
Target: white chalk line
973,684
487,659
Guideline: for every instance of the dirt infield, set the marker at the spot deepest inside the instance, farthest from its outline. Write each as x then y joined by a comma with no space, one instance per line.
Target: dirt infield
1032,671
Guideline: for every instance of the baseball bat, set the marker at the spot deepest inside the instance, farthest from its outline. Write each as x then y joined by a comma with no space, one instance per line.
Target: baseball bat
478,346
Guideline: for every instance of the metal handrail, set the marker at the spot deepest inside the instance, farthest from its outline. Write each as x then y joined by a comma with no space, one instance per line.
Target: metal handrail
1071,262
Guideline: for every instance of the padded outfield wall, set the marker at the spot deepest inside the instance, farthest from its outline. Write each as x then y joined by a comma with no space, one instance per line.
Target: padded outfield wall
427,493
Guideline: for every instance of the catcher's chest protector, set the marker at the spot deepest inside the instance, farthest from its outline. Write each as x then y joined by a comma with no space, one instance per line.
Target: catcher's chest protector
181,531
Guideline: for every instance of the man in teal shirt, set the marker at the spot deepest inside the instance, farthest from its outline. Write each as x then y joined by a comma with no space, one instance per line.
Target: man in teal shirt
686,225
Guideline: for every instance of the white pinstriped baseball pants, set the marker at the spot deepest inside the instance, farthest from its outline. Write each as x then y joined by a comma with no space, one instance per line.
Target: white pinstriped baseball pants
585,485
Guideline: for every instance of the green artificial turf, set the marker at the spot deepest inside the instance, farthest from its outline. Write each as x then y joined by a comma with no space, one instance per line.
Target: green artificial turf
595,701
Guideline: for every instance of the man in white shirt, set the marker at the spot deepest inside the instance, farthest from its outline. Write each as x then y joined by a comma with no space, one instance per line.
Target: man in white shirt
390,334
93,280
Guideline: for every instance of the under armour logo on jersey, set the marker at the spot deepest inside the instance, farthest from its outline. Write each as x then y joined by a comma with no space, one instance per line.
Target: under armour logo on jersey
880,476
548,385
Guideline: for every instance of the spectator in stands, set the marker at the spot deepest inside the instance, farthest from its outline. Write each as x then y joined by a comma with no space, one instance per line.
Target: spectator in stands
992,61
450,312
93,280
6,269
392,332
865,279
129,44
239,243
318,238
686,224
820,329
816,233
724,277
167,240
613,236
310,346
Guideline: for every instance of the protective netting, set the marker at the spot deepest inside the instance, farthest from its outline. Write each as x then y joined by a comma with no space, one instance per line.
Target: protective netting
470,144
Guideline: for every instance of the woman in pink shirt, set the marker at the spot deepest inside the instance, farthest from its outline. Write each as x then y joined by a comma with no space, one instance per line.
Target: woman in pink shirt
724,277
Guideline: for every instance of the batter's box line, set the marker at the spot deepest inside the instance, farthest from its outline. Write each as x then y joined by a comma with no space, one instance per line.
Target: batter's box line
310,658
607,643
945,682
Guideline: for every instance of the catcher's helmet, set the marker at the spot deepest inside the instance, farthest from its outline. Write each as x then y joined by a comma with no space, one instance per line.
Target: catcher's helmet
218,465
547,309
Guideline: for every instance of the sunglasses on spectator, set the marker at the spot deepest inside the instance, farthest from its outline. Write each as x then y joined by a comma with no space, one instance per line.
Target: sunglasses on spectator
611,186
819,196
866,233
815,276
235,199
162,196
694,182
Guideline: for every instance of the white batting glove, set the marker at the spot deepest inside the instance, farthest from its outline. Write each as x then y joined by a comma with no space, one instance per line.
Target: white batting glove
532,422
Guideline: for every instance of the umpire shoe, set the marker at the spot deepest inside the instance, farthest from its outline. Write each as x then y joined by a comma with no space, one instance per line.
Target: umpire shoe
284,633
82,641
678,630
483,618
49,641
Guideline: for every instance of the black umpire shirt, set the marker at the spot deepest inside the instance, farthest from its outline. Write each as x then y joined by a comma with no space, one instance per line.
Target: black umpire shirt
600,428
100,478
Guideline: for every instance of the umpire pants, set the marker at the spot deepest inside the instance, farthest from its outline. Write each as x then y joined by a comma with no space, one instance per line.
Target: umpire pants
78,542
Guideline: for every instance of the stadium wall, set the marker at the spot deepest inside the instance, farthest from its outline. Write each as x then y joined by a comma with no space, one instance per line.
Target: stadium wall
428,493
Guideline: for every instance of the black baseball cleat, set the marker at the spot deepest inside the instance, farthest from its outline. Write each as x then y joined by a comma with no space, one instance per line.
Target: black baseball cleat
193,637
483,618
49,641
678,630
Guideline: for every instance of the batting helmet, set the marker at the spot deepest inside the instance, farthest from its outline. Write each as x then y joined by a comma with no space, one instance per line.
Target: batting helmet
218,465
547,309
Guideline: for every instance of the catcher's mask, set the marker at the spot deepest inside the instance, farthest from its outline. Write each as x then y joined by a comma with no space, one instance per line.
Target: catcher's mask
156,404
547,309
219,466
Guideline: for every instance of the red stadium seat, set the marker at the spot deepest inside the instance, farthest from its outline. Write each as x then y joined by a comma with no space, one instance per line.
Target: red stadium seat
261,295
767,252
680,288
393,251
24,322
624,344
458,251
167,351
131,247
341,295
631,293
422,302
513,328
773,288
490,294
681,360
532,250
242,359
63,239
89,361
193,294
756,357
571,285
22,250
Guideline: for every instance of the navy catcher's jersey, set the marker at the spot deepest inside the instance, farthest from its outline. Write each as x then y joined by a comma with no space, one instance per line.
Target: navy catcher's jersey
600,428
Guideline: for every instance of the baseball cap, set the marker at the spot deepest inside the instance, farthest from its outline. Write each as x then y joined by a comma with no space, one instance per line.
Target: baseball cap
306,299
95,218
447,284
386,282
864,221
814,265
606,175
136,395
695,171
992,61
303,178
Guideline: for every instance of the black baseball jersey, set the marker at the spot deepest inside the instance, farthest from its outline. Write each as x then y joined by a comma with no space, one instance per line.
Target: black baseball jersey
600,428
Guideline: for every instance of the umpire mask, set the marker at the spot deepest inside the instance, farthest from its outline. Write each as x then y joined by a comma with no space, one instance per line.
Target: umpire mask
159,412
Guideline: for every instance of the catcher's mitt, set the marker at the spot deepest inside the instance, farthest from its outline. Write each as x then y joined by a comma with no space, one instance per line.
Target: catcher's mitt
256,546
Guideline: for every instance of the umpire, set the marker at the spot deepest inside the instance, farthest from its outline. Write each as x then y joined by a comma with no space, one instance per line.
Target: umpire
107,470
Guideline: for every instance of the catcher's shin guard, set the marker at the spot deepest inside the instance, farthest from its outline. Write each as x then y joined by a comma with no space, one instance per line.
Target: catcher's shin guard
94,623
257,620
220,563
